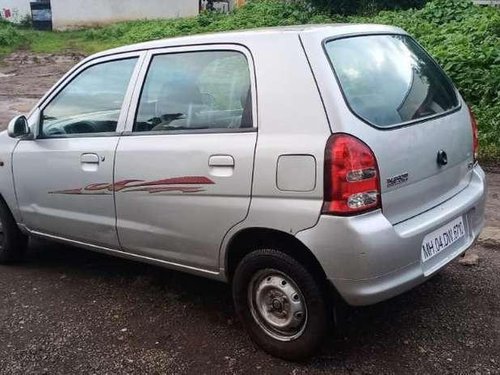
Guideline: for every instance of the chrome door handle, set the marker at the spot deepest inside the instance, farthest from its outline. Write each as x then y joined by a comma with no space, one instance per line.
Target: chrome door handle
221,165
221,161
89,159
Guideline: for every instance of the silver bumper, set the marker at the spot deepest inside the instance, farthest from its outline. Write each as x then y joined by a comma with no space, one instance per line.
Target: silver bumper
369,260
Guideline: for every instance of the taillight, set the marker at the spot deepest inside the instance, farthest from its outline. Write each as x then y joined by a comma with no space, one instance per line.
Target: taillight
475,134
352,183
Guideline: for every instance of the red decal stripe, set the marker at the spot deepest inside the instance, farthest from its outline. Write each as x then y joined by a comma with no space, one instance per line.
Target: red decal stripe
120,185
161,189
97,187
148,186
70,191
188,180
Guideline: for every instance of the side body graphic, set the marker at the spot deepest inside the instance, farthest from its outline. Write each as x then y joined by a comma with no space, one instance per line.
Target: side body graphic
180,184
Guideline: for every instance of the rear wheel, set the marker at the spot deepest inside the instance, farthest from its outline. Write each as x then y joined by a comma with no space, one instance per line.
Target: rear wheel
281,304
13,243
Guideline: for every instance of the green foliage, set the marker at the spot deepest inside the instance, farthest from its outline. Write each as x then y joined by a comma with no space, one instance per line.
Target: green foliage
10,36
349,7
464,39
440,11
26,21
261,13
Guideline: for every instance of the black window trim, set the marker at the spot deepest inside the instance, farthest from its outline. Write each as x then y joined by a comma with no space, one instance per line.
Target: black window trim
76,73
189,131
155,53
80,135
401,124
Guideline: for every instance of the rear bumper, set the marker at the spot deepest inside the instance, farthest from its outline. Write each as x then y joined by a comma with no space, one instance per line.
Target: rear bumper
369,260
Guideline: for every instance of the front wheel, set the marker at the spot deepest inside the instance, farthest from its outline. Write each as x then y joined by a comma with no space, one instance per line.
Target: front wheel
12,242
281,304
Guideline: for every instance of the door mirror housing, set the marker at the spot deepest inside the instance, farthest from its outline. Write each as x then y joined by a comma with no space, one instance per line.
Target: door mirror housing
19,127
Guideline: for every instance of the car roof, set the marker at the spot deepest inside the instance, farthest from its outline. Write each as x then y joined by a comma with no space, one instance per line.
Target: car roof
241,36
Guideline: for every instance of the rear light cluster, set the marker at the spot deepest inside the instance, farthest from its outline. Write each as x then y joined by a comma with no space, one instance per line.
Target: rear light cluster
475,134
352,183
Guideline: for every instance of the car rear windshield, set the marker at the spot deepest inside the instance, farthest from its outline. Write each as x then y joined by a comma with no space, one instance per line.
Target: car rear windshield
389,80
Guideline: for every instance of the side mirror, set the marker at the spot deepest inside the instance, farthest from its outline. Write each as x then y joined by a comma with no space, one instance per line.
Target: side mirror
18,127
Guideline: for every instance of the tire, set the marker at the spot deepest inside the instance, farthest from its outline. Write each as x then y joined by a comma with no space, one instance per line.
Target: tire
13,242
269,288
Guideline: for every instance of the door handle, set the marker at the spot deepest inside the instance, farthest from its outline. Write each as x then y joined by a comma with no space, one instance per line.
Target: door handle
221,161
221,165
89,159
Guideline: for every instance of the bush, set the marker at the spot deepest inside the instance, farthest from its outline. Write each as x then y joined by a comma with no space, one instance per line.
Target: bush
465,40
10,36
350,7
254,14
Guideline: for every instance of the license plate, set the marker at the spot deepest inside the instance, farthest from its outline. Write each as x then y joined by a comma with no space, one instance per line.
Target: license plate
442,238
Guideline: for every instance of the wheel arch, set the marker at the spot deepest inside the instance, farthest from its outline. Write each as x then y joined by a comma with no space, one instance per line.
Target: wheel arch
246,240
11,212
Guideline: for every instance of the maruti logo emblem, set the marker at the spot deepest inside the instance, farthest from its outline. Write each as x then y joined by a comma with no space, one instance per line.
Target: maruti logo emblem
397,180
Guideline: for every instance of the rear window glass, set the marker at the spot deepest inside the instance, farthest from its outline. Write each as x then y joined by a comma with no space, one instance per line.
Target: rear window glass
389,79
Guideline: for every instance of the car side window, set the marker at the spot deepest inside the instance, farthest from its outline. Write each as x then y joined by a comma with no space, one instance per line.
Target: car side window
91,102
196,90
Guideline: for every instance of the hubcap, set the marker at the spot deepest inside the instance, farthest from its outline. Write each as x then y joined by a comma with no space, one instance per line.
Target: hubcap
277,305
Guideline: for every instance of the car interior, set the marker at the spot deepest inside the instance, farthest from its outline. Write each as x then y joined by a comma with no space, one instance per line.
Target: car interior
182,106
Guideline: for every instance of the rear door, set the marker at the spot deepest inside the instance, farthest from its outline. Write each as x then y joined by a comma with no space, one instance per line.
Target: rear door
395,98
183,170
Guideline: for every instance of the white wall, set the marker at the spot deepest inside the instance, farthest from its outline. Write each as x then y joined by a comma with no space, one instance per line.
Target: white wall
76,13
18,9
494,3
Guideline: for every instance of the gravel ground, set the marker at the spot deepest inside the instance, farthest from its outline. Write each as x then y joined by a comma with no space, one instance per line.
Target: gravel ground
69,311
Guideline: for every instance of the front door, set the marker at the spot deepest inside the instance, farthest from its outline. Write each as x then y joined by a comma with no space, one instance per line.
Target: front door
63,178
183,172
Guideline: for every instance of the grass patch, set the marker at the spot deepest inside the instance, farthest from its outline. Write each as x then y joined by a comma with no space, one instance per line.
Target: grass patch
11,38
464,38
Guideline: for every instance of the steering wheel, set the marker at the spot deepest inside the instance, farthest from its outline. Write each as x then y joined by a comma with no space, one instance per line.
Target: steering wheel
80,127
55,130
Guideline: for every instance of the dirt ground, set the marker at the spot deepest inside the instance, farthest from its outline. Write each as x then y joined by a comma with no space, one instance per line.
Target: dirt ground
24,79
68,311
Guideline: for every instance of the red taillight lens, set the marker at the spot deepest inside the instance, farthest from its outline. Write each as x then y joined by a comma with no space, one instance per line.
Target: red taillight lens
475,134
352,183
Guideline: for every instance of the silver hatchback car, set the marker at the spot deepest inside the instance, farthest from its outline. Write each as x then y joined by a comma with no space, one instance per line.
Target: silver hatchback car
298,164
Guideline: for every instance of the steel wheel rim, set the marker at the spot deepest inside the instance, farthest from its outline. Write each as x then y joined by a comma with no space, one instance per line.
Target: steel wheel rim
277,305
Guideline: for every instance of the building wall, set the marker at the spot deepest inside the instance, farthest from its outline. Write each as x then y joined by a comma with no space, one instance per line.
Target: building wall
493,3
14,10
77,13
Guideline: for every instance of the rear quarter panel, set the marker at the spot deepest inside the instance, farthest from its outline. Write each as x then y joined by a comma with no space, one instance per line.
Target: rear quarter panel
291,121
